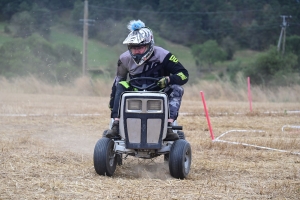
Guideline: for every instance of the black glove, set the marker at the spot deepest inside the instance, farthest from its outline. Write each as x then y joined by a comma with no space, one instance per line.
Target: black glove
162,83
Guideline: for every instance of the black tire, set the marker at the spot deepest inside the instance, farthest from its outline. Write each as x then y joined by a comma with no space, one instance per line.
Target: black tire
105,159
180,159
181,135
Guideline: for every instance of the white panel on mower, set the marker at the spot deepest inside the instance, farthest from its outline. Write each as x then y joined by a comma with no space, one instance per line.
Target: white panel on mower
134,130
153,125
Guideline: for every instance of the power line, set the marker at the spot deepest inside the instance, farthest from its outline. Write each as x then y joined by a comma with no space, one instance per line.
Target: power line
181,13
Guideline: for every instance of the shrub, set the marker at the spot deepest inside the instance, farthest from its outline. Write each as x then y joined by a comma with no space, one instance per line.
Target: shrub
271,66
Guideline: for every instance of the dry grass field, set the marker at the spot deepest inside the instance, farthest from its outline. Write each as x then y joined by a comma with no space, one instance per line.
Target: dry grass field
47,143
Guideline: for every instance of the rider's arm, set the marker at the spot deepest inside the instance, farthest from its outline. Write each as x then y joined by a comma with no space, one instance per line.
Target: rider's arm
121,75
179,75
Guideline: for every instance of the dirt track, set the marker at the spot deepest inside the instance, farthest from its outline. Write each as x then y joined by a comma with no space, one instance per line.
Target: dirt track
47,144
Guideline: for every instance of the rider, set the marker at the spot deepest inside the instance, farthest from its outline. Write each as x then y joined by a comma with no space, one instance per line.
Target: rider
143,59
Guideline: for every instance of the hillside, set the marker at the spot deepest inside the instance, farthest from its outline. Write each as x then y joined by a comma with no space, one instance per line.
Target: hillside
104,57
99,54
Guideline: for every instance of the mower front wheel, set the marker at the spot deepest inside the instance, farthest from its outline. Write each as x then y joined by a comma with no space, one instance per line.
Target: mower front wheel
180,159
105,159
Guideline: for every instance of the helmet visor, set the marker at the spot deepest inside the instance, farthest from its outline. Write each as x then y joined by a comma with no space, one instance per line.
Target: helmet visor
138,49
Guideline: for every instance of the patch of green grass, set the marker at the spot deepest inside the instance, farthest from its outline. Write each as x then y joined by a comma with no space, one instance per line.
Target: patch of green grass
243,57
3,36
246,57
99,54
2,25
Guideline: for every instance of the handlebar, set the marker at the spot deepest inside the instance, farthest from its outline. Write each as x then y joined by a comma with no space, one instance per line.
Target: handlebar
144,86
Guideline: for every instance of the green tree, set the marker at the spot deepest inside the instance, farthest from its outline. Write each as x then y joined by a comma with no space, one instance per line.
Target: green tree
43,19
10,7
209,52
22,24
293,44
230,46
31,20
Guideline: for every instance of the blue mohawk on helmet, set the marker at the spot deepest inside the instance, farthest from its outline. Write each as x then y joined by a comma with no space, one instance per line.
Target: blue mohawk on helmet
135,25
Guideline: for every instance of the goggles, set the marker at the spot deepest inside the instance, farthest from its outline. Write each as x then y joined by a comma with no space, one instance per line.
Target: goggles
137,47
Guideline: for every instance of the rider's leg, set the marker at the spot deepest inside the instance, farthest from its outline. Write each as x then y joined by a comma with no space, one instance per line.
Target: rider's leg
114,131
175,93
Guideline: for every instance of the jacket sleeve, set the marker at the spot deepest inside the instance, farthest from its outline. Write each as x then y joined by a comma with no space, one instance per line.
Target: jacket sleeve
178,74
121,75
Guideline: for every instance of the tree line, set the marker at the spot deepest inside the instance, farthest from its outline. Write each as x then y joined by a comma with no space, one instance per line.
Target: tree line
213,30
251,24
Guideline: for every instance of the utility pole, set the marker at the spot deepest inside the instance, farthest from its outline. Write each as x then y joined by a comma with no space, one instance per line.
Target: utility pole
85,38
282,33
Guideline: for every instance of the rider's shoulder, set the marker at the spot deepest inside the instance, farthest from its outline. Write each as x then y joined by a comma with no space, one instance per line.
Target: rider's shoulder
126,54
159,53
160,50
125,57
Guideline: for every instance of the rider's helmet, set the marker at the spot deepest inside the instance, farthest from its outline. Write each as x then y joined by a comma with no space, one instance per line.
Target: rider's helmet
139,35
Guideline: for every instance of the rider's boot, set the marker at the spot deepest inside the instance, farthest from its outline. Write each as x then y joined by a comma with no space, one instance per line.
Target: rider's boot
171,136
114,131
